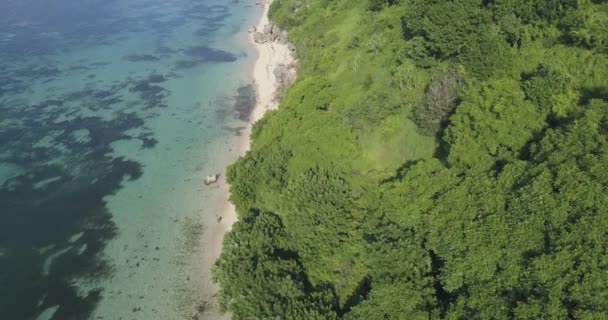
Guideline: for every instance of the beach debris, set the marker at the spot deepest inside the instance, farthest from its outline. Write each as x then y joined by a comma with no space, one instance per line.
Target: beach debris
75,237
46,249
82,249
48,313
219,219
48,262
210,179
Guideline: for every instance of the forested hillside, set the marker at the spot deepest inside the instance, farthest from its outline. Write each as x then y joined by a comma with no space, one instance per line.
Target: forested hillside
436,159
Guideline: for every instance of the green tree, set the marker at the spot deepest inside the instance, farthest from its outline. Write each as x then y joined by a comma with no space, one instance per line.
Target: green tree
545,87
447,27
492,126
319,210
506,220
488,56
261,173
588,27
261,276
400,275
376,5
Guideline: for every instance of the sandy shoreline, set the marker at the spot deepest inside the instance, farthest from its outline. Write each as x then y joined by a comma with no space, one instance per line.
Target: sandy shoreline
269,56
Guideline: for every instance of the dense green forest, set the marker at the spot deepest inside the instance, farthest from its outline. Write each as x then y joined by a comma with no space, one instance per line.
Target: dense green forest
436,159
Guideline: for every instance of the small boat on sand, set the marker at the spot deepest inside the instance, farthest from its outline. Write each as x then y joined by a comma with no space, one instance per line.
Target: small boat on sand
211,179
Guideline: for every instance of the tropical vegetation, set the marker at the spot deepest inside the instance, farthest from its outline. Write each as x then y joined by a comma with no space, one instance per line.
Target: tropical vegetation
436,159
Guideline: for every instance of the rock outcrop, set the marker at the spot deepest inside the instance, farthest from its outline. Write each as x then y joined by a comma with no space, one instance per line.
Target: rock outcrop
285,75
267,29
274,29
270,33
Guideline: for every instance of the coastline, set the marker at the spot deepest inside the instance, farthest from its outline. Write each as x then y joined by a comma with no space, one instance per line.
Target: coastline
269,56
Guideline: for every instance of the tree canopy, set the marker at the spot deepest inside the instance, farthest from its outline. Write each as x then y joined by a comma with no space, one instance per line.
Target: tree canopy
434,160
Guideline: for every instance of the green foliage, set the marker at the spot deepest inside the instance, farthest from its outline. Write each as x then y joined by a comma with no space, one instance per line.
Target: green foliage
287,14
319,207
492,126
392,257
488,56
416,49
261,275
461,31
261,173
545,85
370,111
447,27
537,11
347,211
588,27
376,5
528,221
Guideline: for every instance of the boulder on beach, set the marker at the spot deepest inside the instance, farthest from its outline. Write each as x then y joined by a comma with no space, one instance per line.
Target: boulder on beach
259,37
291,47
252,29
282,39
268,29
285,75
274,29
211,179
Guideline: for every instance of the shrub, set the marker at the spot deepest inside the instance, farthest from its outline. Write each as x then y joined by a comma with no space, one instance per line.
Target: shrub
376,5
440,101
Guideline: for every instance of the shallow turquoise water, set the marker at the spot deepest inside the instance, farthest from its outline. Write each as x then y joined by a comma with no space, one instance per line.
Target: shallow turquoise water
111,114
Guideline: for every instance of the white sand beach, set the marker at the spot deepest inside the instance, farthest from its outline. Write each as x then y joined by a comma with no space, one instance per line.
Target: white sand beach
270,55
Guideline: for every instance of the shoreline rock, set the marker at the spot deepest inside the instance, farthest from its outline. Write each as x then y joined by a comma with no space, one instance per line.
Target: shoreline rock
271,33
259,37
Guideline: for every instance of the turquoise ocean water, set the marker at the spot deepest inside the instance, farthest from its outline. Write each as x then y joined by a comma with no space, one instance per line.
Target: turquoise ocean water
111,114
